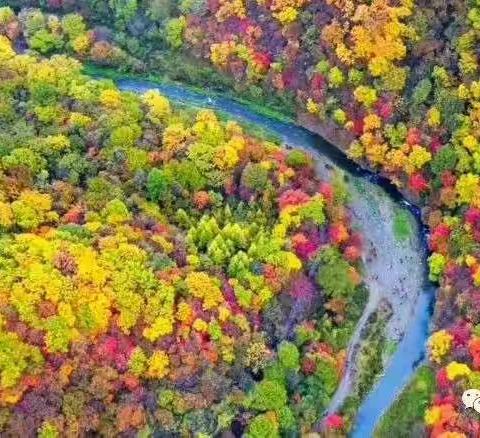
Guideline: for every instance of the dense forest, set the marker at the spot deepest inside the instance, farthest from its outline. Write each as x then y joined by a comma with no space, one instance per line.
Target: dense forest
161,270
393,83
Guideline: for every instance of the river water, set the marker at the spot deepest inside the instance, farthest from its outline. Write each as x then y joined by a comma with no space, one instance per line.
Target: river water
397,275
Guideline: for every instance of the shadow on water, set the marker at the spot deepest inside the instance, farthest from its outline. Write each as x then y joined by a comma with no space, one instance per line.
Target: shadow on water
411,349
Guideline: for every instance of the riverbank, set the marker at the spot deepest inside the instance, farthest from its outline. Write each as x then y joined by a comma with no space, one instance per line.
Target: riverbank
327,130
394,269
406,413
159,80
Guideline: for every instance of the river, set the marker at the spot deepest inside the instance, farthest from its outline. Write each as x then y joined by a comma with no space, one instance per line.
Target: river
397,274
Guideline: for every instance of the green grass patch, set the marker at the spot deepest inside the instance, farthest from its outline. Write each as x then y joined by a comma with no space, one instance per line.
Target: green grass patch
402,225
390,348
370,366
408,410
370,360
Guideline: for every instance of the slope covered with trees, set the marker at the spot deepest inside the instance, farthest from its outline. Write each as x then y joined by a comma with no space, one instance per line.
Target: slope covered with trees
161,270
393,82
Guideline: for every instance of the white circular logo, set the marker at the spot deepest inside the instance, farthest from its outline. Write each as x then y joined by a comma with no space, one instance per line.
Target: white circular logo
471,399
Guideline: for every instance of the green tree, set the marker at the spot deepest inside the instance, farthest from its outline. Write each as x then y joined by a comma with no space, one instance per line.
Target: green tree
328,375
268,395
192,6
72,167
73,25
297,159
31,209
255,177
100,191
45,42
445,159
289,355
174,30
333,274
159,10
34,20
262,426
421,91
24,157
116,212
313,211
124,10
125,136
187,174
159,184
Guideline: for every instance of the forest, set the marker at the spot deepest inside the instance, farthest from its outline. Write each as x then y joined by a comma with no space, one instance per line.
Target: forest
244,276
160,266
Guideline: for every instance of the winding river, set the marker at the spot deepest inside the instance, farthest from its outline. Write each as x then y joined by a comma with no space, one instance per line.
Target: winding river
395,269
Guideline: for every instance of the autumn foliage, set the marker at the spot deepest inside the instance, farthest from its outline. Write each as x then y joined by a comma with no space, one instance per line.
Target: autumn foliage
160,269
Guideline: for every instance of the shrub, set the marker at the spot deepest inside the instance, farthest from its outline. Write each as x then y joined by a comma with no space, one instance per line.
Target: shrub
262,426
333,274
297,159
421,91
289,355
255,177
268,395
159,184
